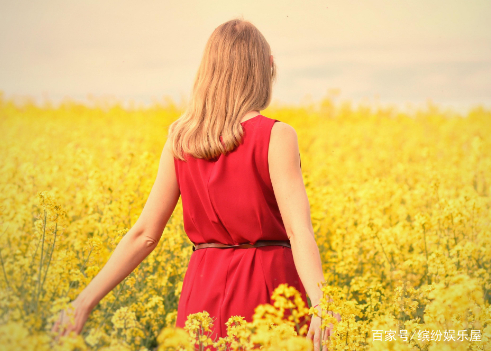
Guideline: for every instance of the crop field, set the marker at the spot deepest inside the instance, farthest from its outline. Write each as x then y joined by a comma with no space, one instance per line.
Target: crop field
400,205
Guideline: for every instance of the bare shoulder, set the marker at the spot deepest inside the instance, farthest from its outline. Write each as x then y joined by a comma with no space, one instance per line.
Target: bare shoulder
283,136
284,159
167,151
283,129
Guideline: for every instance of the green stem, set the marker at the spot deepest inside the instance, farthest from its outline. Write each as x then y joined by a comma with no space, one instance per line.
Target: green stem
50,256
426,254
28,273
4,272
41,263
3,265
347,333
110,307
82,270
296,324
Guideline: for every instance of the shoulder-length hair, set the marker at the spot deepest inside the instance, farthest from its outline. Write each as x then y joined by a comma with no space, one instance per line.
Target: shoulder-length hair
235,76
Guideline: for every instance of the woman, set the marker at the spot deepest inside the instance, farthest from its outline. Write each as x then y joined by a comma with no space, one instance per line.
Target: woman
244,201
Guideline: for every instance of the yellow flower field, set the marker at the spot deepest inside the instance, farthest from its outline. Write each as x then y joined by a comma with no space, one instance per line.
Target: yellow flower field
400,204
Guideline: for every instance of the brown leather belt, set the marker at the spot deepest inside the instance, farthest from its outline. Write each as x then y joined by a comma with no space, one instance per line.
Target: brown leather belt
258,243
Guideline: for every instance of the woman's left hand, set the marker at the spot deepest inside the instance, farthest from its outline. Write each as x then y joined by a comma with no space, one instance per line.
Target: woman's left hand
64,325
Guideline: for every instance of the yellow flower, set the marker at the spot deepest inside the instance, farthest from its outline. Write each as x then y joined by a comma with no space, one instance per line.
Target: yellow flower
173,339
124,319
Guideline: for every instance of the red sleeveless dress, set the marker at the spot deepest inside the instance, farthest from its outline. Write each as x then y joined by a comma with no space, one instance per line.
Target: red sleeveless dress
231,201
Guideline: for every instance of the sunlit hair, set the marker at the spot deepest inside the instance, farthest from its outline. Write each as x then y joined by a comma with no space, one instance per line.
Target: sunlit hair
235,76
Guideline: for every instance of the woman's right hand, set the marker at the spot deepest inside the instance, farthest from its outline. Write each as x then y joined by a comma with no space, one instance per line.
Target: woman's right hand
314,333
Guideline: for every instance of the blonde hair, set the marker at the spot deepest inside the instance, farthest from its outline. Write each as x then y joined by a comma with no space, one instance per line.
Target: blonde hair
234,77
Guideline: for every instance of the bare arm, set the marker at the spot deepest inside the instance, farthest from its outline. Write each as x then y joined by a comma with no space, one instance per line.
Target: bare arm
142,238
289,189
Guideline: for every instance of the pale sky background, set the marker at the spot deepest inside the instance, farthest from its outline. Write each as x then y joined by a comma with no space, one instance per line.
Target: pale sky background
390,51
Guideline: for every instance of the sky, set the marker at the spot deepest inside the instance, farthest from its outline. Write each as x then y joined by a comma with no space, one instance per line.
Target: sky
377,51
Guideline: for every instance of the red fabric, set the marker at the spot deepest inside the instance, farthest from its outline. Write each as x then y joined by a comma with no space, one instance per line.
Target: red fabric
230,200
